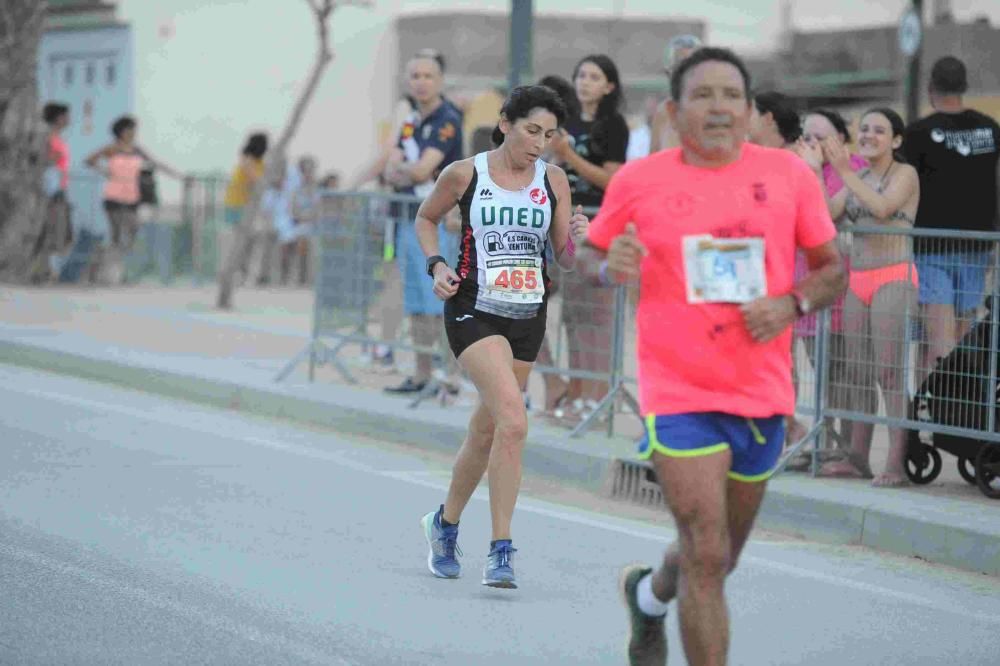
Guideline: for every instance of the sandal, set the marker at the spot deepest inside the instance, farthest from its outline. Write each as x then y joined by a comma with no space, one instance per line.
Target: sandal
843,469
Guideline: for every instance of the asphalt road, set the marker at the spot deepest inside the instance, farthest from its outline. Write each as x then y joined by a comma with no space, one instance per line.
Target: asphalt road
138,530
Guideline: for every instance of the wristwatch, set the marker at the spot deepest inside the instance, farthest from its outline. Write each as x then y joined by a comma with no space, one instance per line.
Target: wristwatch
802,304
433,261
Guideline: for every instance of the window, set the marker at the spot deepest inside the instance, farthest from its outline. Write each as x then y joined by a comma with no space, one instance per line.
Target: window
68,74
110,73
91,74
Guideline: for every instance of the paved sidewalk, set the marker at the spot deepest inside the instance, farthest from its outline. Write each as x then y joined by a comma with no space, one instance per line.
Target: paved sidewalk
172,342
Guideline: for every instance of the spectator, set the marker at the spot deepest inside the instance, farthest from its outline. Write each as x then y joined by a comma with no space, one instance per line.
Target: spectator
274,221
640,137
662,133
817,126
555,386
429,141
390,306
248,171
331,181
57,232
883,282
305,209
123,161
592,146
565,90
955,153
774,122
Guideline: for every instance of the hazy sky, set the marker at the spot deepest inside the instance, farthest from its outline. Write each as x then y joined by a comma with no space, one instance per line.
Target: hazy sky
209,71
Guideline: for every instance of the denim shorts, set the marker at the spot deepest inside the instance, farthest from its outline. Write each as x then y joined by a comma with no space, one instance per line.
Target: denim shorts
953,278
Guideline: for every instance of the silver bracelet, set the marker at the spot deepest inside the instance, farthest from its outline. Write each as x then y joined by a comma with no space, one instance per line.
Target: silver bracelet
602,274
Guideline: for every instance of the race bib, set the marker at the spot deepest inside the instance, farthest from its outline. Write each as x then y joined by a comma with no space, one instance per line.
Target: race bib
724,270
514,279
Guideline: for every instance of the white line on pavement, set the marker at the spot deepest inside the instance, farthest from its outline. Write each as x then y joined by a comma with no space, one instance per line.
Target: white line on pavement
530,506
212,620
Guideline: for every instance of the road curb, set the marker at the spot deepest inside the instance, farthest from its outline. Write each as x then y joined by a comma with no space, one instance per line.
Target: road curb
793,505
563,463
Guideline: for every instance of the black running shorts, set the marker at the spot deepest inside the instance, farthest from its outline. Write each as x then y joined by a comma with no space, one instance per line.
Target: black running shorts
465,325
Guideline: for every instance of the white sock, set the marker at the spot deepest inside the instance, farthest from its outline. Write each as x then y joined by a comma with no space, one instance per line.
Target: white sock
648,603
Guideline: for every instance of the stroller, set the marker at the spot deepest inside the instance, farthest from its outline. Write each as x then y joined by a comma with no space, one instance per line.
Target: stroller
957,394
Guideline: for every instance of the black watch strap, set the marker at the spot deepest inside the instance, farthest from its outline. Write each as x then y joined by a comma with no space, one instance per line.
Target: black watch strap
433,261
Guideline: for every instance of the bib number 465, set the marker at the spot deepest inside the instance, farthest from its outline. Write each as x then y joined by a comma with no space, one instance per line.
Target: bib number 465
516,279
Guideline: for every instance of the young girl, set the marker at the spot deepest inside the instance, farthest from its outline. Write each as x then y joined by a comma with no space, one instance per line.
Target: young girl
592,148
883,281
123,161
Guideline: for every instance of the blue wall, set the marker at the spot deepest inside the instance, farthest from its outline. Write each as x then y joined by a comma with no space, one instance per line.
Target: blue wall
91,70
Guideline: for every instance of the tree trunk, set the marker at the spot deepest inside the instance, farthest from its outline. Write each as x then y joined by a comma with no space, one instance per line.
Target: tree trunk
22,137
274,162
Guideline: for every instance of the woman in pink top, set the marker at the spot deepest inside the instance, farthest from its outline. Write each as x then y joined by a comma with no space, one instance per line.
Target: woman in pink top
817,126
123,161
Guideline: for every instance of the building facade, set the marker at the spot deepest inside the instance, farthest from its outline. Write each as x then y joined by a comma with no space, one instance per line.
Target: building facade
85,61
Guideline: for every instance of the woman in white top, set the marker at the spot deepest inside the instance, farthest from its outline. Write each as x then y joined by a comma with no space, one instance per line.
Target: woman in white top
513,206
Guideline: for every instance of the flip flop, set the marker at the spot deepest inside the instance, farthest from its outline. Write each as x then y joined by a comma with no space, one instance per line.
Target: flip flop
842,469
890,481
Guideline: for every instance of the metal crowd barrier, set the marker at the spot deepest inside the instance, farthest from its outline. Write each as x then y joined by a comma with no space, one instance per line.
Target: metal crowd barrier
857,365
173,237
356,237
891,361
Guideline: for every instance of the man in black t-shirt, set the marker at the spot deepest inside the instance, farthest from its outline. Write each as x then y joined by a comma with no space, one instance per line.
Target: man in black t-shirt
955,151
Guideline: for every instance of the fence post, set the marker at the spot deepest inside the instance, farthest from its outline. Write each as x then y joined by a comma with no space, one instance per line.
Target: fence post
822,343
991,388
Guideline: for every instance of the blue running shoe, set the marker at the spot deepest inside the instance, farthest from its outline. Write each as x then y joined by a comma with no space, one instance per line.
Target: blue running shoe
498,571
443,542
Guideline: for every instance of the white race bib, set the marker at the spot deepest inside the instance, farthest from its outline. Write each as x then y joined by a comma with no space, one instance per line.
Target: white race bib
724,270
514,279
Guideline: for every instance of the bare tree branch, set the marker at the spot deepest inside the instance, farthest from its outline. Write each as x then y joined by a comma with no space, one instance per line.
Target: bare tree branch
322,10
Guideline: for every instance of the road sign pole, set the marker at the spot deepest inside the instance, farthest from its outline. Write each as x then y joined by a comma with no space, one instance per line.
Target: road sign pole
911,31
521,29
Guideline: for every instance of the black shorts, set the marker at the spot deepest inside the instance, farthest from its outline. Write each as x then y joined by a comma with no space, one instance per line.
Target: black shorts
465,325
115,206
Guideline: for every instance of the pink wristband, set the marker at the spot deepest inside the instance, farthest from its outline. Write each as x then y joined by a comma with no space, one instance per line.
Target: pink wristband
570,247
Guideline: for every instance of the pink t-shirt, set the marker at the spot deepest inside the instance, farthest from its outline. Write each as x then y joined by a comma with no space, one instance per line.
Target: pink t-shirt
122,185
700,357
59,154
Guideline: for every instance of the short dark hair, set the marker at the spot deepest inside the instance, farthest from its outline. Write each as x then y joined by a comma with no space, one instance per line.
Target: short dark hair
784,113
123,123
565,90
836,120
523,100
430,54
949,77
707,54
53,111
256,145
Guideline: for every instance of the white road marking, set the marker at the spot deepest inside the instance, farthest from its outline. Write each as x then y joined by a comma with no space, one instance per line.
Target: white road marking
162,603
528,505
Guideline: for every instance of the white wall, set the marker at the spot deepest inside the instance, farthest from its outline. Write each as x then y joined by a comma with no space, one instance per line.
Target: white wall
207,73
225,67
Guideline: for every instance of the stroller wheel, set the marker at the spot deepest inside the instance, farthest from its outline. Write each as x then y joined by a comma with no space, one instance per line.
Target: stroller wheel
988,470
923,463
967,468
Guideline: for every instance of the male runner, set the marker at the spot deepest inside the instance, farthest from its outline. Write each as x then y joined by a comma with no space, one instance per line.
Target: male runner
710,229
